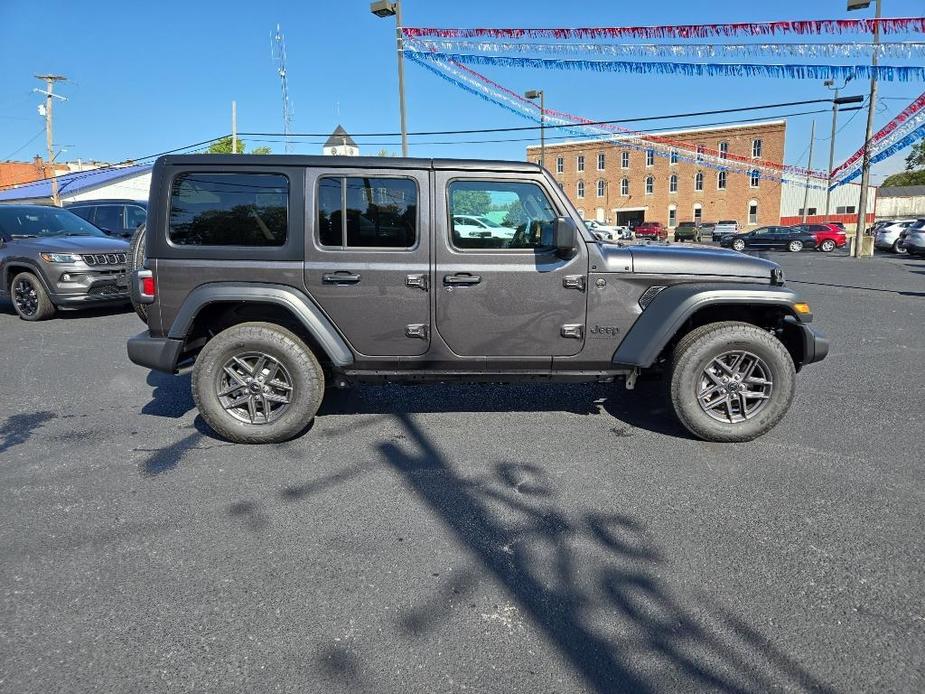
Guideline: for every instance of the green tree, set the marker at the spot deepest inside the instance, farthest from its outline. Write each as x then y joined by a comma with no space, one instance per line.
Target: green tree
906,178
476,202
223,146
386,153
515,215
916,158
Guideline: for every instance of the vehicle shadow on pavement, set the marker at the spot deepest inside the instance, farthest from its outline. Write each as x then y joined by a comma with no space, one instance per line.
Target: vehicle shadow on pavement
171,396
591,582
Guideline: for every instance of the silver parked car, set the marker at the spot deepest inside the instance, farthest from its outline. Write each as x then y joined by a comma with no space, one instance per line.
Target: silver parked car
912,239
887,236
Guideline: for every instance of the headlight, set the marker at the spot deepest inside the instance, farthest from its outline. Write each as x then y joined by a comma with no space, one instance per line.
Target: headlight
61,257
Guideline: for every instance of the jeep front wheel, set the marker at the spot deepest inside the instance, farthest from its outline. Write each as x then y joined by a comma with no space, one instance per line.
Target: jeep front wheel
30,299
731,381
257,383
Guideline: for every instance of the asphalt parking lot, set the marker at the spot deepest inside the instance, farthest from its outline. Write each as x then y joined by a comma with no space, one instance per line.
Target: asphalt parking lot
541,538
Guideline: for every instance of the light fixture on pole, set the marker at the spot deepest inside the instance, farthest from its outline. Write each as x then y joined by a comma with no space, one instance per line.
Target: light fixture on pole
538,94
871,105
385,8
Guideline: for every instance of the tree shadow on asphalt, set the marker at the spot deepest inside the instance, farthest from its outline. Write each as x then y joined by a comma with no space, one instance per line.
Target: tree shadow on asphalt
590,582
19,428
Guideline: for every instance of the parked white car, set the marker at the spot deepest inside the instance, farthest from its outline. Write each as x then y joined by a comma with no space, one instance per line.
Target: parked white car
606,232
887,237
470,226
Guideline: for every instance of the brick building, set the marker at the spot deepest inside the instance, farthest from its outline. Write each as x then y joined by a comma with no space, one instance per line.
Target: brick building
620,185
18,172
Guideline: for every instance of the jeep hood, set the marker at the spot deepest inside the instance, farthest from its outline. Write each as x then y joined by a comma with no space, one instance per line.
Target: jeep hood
671,260
74,244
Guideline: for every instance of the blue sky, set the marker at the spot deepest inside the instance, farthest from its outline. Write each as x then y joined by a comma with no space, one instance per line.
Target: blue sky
150,76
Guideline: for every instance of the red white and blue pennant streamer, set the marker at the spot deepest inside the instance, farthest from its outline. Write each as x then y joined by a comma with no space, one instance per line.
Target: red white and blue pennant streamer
886,153
902,49
891,25
884,73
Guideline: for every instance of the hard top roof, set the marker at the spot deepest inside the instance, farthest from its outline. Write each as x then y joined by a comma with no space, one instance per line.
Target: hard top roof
328,162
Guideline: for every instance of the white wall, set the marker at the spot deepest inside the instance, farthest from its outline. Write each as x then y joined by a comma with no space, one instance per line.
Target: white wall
791,198
130,188
901,208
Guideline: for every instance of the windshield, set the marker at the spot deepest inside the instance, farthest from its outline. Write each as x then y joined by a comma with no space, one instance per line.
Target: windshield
41,222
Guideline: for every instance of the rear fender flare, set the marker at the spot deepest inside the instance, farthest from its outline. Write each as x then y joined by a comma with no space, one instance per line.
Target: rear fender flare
296,302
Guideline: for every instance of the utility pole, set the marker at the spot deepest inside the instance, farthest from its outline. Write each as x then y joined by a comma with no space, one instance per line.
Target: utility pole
809,168
234,127
828,183
50,96
871,106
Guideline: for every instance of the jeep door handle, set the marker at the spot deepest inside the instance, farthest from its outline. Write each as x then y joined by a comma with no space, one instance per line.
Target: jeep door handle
461,278
340,277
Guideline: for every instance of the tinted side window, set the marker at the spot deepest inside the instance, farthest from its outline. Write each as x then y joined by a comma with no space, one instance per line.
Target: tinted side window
134,216
514,215
356,212
225,209
82,212
109,217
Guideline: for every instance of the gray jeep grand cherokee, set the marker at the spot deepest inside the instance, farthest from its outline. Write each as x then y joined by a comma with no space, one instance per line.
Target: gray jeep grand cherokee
275,275
52,258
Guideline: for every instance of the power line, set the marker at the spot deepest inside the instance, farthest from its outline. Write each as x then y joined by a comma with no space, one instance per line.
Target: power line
477,131
28,142
592,136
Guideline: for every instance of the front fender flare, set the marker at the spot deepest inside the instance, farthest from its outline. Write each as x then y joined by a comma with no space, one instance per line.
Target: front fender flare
662,318
295,301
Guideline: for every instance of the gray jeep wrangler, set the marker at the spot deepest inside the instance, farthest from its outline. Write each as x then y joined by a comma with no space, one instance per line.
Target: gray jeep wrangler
276,275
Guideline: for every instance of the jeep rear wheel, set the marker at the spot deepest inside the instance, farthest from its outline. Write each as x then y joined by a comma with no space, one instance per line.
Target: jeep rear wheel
731,381
257,383
136,256
30,299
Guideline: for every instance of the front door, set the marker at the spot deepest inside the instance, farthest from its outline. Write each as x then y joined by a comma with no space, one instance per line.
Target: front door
367,257
508,294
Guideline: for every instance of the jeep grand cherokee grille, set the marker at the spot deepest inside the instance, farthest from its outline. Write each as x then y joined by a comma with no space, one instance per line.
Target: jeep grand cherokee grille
104,259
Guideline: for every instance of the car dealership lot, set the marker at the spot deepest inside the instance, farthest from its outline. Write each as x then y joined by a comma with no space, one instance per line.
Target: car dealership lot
514,538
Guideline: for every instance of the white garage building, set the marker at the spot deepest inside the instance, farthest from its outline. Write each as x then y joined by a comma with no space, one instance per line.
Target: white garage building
121,183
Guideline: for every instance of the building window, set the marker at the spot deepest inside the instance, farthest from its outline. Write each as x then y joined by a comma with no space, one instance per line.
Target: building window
847,209
698,181
601,188
723,150
625,187
674,157
624,160
229,209
650,185
754,177
698,213
672,216
580,162
650,157
560,164
756,148
700,150
358,212
601,161
753,212
673,183
810,211
580,189
721,180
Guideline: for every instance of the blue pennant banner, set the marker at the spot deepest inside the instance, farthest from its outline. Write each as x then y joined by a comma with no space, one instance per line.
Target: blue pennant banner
909,139
884,73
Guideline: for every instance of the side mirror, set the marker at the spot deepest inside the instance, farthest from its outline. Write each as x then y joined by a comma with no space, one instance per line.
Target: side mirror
566,236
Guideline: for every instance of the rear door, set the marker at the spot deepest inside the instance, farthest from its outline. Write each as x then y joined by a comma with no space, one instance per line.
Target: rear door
508,297
367,256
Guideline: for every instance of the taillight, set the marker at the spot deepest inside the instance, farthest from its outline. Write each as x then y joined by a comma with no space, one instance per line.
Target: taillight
147,286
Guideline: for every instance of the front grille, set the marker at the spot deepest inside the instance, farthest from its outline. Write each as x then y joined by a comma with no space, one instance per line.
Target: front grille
104,258
106,290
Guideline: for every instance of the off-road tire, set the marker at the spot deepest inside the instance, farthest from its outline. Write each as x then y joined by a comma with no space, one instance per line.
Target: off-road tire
795,246
900,250
827,246
136,257
283,346
693,354
45,308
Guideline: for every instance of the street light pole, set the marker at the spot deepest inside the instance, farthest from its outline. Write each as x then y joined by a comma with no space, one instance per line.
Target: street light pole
385,8
538,94
871,106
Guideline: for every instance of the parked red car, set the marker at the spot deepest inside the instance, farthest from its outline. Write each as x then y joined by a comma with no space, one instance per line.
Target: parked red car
651,230
828,236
